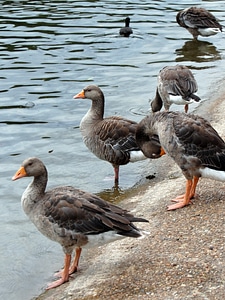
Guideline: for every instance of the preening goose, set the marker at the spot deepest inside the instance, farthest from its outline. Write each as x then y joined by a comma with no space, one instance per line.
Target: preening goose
127,30
176,84
112,138
198,21
193,144
74,218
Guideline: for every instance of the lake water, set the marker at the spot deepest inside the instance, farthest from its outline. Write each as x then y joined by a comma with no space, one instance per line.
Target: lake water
49,51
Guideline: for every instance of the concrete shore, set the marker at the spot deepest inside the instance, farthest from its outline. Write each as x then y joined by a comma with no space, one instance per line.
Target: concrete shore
183,255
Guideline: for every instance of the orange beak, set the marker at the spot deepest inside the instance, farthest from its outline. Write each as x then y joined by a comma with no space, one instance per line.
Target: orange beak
19,174
79,95
162,152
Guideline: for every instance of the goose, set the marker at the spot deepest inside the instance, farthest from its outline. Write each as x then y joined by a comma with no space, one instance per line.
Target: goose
191,142
74,218
198,21
176,84
126,31
112,138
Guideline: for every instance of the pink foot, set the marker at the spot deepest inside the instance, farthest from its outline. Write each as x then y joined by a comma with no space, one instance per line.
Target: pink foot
56,283
176,206
59,274
180,202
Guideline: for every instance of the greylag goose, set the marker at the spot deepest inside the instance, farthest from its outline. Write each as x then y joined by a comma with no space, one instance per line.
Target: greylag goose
198,21
193,144
112,138
72,217
176,84
127,30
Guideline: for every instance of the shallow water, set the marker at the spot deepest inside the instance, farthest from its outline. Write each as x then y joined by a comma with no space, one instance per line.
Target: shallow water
49,51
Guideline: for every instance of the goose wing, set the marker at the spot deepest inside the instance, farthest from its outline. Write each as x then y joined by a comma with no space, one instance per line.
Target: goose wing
201,140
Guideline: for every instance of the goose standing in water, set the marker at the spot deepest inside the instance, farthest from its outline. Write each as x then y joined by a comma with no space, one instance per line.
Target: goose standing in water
127,30
112,138
176,84
192,143
72,217
198,21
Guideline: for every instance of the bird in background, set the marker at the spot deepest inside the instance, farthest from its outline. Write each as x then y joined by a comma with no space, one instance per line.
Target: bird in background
193,144
74,218
198,21
176,85
127,30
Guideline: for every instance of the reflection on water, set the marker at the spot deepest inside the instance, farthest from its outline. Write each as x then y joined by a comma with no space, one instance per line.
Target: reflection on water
198,51
49,51
113,195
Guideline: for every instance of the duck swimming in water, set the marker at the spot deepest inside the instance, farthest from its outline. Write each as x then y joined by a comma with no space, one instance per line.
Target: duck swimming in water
127,30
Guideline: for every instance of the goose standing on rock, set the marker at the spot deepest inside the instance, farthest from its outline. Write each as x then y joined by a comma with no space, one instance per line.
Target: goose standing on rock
72,217
176,84
127,30
112,138
198,21
192,143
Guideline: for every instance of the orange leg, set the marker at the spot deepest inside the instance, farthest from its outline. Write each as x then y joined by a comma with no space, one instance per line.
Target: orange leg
192,191
185,199
75,263
65,274
186,108
194,185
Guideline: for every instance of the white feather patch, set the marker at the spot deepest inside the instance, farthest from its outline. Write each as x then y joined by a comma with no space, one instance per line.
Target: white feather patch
96,240
213,174
208,31
179,100
136,156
